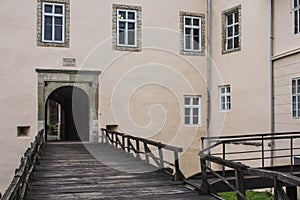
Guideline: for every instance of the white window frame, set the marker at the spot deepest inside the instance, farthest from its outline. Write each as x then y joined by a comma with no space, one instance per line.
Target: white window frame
295,98
296,9
53,15
191,108
227,26
126,21
226,96
192,27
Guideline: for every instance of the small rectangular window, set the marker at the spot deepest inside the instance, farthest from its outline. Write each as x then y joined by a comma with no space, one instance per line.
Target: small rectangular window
192,110
225,97
296,97
126,27
296,9
53,23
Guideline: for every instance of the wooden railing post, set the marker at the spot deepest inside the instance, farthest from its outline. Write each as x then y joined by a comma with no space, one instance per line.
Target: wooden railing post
204,186
178,174
123,142
161,157
146,152
138,148
239,179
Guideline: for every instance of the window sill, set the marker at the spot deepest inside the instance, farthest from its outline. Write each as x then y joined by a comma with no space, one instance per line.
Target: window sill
192,53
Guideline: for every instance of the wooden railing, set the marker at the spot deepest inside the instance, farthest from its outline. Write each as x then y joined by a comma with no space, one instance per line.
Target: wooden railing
18,186
141,146
211,155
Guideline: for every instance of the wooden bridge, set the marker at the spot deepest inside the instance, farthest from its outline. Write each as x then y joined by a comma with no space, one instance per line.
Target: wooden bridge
69,170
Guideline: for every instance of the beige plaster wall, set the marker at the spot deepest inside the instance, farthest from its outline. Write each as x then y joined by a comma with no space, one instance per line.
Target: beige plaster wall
247,71
91,45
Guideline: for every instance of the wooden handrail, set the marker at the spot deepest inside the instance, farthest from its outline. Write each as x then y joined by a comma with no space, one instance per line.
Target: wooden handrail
133,143
18,186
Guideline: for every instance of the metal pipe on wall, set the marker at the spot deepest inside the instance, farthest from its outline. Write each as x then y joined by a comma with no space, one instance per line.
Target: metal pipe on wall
208,66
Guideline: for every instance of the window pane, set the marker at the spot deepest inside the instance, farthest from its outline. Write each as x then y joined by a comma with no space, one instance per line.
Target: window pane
222,90
48,8
131,25
188,21
196,43
223,106
230,31
121,37
122,15
195,120
187,111
187,101
48,32
228,106
295,3
222,99
58,9
228,89
236,29
196,32
121,25
48,20
229,44
236,17
195,111
293,86
188,31
188,42
131,15
58,33
195,101
236,42
229,19
196,22
131,37
58,20
187,120
298,86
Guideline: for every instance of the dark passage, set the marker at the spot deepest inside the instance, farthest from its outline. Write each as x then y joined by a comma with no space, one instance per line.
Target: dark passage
74,125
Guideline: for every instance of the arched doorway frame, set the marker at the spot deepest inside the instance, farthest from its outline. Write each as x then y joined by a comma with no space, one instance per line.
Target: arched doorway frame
88,80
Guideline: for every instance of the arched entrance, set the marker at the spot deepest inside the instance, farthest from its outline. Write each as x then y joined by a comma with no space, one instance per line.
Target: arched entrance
67,114
70,97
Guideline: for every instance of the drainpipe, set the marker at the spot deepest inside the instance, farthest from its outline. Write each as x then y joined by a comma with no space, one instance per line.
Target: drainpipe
272,82
208,66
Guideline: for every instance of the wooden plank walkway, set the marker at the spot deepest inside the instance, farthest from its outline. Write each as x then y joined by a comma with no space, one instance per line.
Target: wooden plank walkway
70,171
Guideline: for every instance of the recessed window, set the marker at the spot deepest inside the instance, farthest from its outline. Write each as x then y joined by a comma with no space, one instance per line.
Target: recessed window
232,30
127,27
296,8
225,97
23,131
192,33
53,23
192,110
296,97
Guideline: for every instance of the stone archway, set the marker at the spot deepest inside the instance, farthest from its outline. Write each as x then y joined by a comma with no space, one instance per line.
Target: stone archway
51,81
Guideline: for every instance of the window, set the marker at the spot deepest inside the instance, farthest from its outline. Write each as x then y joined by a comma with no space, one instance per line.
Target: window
127,27
192,33
296,97
231,30
296,9
192,110
225,98
53,23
